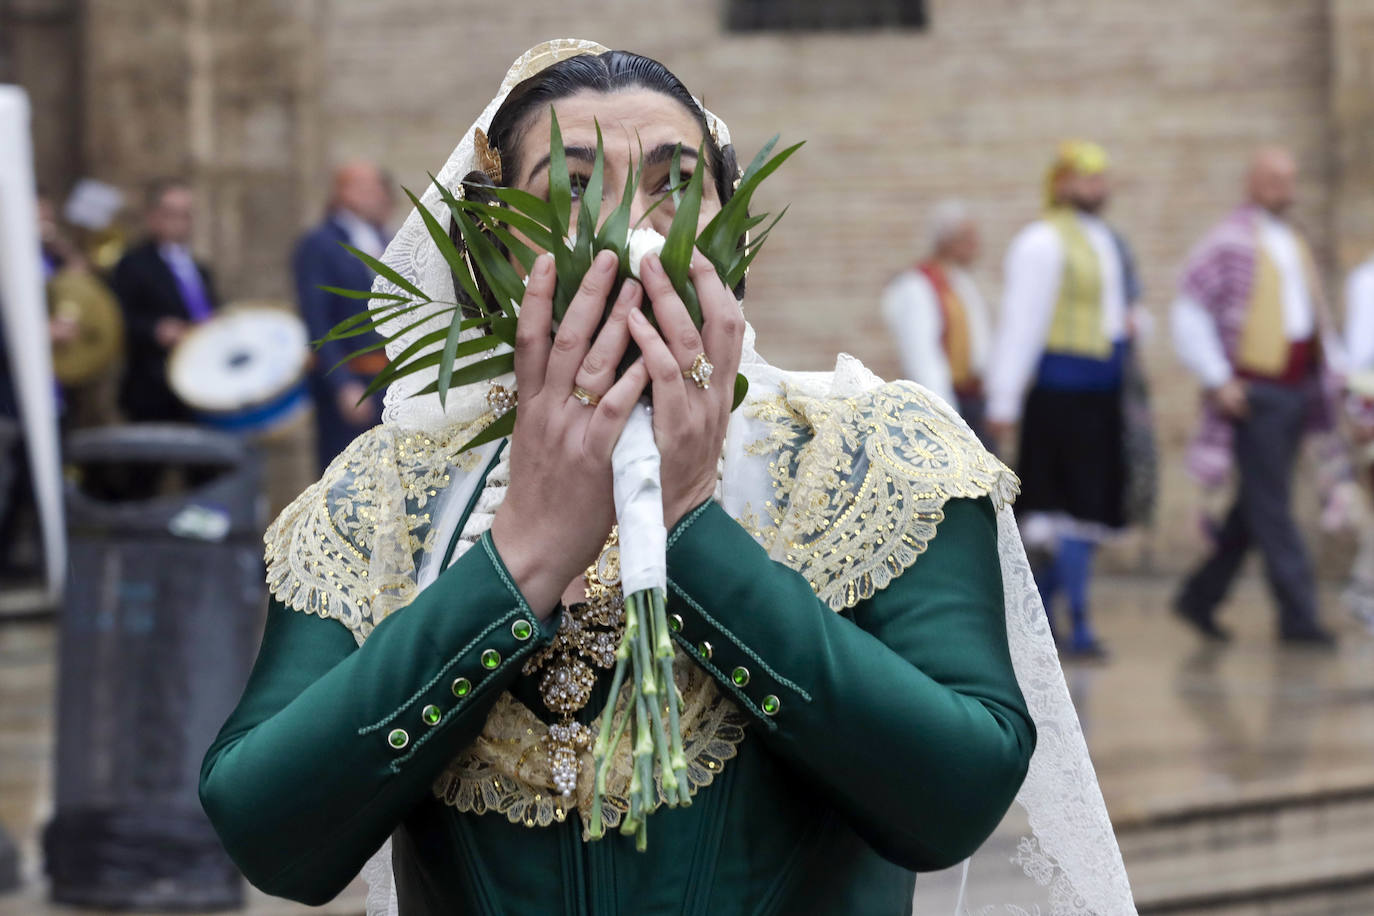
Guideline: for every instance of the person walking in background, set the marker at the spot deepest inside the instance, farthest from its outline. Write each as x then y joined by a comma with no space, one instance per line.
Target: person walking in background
162,291
1249,322
1359,351
938,316
359,208
1064,334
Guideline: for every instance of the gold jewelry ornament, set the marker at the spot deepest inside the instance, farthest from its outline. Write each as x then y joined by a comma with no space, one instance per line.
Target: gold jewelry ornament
587,638
700,371
586,397
502,400
488,156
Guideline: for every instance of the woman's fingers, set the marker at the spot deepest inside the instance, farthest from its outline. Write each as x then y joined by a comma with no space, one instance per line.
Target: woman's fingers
670,388
597,372
603,431
680,334
722,328
532,328
575,330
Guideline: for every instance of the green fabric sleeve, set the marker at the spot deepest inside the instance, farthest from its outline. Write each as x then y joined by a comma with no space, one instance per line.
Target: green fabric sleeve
908,716
304,781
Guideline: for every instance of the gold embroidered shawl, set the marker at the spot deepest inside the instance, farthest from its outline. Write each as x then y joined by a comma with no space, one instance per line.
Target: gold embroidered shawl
857,489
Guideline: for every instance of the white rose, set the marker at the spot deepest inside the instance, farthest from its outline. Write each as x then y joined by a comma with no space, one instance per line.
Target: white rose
642,242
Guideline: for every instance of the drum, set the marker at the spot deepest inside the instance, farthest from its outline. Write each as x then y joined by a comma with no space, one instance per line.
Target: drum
243,371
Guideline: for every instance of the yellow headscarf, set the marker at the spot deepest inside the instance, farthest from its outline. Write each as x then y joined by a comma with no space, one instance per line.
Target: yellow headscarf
1076,157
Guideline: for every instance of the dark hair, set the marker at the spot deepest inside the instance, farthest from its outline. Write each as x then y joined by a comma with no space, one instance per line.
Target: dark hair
605,72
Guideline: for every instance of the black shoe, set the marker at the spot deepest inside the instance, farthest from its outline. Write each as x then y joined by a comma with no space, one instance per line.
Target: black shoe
1204,623
1084,651
1313,637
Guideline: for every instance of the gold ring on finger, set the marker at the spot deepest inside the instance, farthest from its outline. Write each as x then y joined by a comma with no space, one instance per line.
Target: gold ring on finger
586,397
700,371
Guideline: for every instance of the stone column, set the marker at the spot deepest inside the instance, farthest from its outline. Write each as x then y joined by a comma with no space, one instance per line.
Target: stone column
220,94
1352,112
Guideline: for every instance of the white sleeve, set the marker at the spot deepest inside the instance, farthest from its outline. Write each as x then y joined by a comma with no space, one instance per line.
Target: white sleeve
1033,270
913,314
1197,343
1359,319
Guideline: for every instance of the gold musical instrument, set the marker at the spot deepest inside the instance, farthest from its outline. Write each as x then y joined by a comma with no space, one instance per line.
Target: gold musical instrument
94,341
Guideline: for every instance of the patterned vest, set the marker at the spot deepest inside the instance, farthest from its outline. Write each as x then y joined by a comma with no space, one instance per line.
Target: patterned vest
1076,328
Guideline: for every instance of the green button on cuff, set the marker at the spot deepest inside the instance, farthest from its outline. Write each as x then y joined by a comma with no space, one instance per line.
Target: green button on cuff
398,738
521,630
461,687
771,705
740,676
491,659
431,714
675,622
705,650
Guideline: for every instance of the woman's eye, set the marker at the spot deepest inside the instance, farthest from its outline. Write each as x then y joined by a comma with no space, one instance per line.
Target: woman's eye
578,184
668,186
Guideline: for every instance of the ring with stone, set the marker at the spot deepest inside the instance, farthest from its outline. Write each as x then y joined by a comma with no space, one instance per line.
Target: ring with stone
700,371
585,397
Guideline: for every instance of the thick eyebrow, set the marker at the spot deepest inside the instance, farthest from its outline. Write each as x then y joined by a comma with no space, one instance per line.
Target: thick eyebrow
659,154
582,153
664,153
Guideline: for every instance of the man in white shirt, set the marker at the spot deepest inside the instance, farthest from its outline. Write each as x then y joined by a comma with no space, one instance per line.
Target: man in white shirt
1248,323
1359,351
939,318
1058,368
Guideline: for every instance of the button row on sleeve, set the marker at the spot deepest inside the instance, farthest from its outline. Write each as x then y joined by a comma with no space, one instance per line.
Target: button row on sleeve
399,739
771,705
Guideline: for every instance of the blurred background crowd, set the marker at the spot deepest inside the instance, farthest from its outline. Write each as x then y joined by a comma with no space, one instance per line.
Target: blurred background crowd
1133,244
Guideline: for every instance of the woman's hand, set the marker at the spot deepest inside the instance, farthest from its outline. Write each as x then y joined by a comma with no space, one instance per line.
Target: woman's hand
559,509
689,422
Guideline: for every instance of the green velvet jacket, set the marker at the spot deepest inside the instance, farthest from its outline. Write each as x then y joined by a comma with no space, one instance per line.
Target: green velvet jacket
899,740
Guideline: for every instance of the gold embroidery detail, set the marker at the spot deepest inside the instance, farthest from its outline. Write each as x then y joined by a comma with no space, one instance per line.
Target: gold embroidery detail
349,547
860,483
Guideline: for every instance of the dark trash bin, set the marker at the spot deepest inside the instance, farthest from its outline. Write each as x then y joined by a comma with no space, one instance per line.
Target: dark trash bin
158,630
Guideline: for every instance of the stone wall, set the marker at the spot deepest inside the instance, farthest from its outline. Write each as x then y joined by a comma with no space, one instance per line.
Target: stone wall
255,100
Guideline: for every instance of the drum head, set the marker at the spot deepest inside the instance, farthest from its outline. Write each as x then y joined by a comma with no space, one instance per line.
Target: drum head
244,357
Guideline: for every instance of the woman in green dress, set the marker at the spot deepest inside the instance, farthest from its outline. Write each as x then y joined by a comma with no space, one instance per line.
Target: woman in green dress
843,578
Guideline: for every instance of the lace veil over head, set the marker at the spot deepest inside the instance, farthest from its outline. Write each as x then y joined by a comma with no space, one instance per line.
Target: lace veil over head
1056,853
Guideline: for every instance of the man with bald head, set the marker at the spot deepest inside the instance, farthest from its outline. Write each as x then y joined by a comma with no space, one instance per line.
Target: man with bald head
938,317
359,207
1250,322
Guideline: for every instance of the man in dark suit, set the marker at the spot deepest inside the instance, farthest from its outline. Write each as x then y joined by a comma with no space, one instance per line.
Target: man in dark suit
163,291
359,208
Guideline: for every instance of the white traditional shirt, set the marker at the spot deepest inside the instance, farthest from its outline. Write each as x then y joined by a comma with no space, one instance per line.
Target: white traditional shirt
362,235
1359,317
1196,339
911,307
1034,269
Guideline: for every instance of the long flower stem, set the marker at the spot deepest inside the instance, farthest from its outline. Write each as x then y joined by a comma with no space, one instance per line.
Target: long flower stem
663,651
606,742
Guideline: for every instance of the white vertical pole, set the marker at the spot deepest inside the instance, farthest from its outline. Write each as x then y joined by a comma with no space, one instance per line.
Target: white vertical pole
25,316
